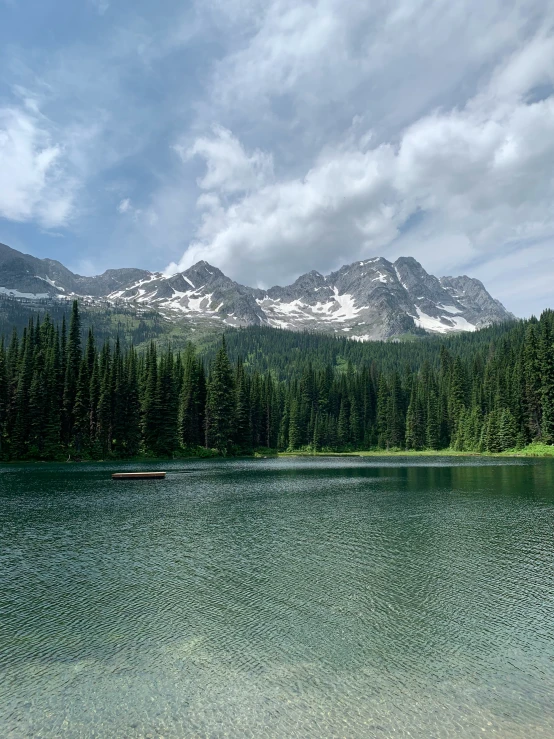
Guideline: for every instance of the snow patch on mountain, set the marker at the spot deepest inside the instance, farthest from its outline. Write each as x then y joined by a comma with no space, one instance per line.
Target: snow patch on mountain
381,278
348,307
442,324
449,308
49,282
369,299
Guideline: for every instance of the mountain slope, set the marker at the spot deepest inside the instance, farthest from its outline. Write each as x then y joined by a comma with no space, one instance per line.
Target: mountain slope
366,300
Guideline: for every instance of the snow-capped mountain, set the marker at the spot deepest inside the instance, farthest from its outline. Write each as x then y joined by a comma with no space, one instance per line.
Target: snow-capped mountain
366,300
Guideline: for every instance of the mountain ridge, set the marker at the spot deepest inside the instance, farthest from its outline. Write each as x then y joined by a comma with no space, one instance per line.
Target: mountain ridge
367,300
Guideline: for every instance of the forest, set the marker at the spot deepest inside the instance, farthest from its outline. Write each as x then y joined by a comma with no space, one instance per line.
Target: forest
65,395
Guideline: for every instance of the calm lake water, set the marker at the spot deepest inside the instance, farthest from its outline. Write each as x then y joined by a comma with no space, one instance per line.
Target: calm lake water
335,597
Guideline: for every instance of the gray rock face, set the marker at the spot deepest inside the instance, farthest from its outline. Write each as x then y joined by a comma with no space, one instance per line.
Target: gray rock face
367,300
45,277
28,275
480,307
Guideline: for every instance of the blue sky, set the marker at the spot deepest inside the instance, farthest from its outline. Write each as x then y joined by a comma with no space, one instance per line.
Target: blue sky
271,137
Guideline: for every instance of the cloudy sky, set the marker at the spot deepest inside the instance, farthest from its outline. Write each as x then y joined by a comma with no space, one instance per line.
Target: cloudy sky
271,137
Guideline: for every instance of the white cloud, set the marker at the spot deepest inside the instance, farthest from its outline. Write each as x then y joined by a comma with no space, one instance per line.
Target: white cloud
35,183
229,168
341,129
324,59
479,178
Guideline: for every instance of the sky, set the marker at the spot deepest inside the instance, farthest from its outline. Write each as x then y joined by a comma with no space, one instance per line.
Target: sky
273,137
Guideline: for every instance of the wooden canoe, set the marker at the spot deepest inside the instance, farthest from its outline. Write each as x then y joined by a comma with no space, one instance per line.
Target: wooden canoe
138,475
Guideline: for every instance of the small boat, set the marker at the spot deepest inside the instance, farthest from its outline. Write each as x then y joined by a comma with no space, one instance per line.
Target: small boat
138,475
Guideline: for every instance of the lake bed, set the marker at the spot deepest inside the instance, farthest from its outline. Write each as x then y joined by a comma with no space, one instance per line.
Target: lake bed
325,597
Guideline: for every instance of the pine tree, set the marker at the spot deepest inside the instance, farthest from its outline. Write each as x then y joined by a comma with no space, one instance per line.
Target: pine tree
383,434
456,394
319,433
38,406
396,414
295,438
356,428
20,434
432,431
546,362
119,426
3,396
220,403
532,382
242,435
490,438
192,400
105,402
507,432
81,412
490,393
343,426
94,398
132,406
150,402
72,366
283,441
412,436
167,441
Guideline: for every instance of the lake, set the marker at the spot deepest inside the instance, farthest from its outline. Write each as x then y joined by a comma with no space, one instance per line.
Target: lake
328,597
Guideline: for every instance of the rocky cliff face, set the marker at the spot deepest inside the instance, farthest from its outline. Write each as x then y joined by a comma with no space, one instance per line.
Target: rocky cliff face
27,275
367,300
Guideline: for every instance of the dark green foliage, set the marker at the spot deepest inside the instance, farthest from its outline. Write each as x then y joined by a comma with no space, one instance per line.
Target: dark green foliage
243,425
489,391
150,398
132,326
220,403
167,407
71,367
192,401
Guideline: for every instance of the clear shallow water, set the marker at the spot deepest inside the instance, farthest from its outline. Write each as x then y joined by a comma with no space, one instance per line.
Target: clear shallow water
279,598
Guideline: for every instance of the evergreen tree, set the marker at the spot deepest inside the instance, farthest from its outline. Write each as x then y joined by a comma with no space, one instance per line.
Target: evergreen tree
80,438
492,391
242,435
220,403
295,438
105,402
343,426
166,441
72,367
507,431
3,395
150,402
319,434
132,406
546,362
383,433
432,431
396,414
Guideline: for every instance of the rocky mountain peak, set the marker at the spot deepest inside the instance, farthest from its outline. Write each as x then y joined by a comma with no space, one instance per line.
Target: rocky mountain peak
203,273
368,299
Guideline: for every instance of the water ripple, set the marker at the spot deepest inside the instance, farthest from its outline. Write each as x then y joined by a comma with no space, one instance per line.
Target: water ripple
278,598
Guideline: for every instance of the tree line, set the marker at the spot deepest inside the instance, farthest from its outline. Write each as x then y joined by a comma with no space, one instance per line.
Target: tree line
63,395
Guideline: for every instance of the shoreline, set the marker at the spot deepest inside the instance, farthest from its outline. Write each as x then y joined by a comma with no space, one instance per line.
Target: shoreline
527,452
533,451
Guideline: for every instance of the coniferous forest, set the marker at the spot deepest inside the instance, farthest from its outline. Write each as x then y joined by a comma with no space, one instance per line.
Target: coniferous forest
62,395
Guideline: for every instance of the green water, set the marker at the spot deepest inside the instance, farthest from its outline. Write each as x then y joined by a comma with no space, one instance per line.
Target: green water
279,598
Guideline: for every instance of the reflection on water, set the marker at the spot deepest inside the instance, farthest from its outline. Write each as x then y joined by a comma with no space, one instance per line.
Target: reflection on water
294,598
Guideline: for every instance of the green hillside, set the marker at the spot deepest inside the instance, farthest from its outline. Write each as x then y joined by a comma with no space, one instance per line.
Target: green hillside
79,388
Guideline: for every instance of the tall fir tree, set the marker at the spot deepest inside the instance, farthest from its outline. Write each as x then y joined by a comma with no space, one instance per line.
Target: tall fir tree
220,403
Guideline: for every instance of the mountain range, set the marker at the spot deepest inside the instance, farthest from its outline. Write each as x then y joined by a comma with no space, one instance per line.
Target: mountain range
367,300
